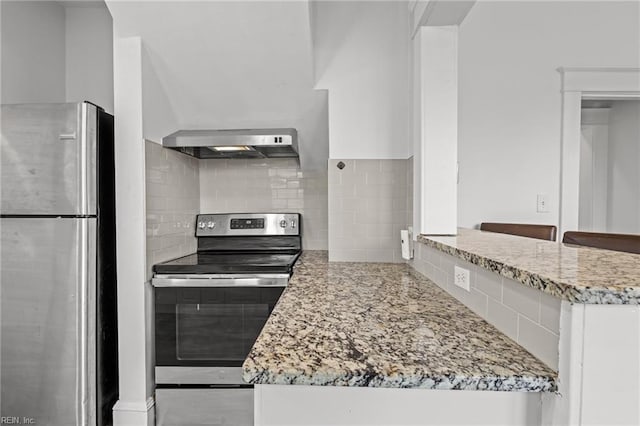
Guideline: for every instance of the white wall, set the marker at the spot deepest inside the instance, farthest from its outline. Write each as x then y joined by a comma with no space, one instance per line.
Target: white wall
361,57
227,65
438,136
623,207
89,54
56,53
159,118
33,52
510,100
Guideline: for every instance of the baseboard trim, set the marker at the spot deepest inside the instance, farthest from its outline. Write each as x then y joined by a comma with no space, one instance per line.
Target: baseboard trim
134,413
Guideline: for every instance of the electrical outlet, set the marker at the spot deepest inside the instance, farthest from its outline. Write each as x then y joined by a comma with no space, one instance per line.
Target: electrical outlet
461,278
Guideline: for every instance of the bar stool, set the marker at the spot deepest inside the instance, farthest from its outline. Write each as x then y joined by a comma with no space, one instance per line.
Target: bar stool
541,232
629,243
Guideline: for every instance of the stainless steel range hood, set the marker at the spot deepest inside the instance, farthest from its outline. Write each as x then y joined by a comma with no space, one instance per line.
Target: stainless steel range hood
252,143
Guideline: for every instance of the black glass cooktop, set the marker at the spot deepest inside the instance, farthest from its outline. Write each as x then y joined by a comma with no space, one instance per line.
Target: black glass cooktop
229,263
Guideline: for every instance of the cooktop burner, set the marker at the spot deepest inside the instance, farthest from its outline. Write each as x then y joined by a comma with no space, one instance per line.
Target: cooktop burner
233,263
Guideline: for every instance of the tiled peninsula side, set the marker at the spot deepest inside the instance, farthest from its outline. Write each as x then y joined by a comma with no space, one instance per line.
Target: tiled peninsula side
527,316
575,308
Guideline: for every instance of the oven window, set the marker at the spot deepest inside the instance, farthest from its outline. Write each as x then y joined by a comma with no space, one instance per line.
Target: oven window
210,326
221,332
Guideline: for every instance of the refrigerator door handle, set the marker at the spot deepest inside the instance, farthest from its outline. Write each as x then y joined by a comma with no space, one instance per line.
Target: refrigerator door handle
87,172
87,327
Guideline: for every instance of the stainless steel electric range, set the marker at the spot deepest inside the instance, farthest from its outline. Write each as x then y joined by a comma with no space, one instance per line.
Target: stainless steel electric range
210,307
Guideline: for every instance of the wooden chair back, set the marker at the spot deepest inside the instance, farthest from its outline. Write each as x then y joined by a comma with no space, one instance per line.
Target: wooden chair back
542,232
629,243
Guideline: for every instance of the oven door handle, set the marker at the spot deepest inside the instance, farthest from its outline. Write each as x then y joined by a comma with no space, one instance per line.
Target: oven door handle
266,280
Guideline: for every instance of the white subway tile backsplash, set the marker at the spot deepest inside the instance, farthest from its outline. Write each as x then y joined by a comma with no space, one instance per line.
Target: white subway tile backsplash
287,172
523,299
277,204
368,166
173,241
349,203
540,342
489,283
367,208
525,315
447,264
377,254
293,184
156,204
423,268
295,203
153,244
369,192
287,193
431,255
275,185
503,318
172,202
550,312
348,255
343,190
478,302
430,272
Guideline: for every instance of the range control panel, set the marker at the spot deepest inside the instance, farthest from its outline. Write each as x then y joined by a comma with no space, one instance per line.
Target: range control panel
227,224
247,223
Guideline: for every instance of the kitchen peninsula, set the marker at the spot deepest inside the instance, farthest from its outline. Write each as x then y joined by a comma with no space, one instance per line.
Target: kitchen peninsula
369,343
572,273
362,333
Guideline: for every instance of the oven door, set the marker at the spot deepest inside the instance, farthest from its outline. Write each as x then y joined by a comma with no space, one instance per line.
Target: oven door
204,334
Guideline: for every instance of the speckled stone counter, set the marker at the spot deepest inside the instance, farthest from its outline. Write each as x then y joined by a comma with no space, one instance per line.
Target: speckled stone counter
577,274
384,325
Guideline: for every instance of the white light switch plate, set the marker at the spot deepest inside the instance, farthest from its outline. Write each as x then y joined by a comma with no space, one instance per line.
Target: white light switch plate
542,205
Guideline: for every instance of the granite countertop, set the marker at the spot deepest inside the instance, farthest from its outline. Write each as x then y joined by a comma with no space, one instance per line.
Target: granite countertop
384,325
577,274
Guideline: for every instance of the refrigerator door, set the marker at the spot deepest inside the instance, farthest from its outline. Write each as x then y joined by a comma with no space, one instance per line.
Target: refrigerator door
48,159
47,281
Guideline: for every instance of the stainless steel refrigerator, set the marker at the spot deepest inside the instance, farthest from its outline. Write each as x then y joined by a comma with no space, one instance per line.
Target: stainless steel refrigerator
58,362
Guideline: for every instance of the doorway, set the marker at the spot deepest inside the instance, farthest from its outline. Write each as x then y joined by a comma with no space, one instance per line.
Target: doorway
597,87
609,194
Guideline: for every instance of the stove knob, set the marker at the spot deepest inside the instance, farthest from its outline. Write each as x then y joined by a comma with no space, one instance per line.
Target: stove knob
201,225
210,225
283,223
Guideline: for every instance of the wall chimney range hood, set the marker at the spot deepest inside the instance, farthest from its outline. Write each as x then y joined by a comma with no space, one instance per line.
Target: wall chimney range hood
250,143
